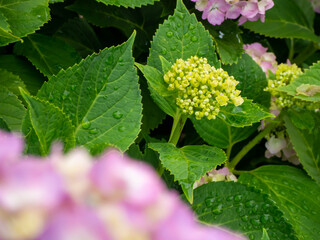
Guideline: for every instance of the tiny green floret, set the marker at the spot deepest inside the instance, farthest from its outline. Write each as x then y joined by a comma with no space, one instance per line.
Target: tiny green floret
201,88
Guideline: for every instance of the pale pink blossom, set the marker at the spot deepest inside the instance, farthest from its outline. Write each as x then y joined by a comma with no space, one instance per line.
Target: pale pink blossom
316,5
266,60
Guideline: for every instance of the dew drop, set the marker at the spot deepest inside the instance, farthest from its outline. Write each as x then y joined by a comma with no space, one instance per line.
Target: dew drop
210,201
169,34
238,198
65,95
93,131
121,129
86,124
194,39
255,222
117,114
245,218
120,60
121,64
173,48
179,24
251,236
217,210
265,218
179,14
109,60
115,88
191,26
164,51
230,198
250,204
73,87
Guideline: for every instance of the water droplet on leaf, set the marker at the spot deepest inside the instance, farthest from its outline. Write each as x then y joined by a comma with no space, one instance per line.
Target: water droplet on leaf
117,114
169,34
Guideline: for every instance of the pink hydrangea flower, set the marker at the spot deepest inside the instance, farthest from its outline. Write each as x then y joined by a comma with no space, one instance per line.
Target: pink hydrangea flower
266,60
74,197
216,11
316,5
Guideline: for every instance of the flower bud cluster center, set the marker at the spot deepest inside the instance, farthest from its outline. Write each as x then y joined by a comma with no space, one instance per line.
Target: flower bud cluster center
201,88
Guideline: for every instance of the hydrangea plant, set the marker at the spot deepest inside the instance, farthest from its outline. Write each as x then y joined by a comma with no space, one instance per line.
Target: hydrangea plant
216,100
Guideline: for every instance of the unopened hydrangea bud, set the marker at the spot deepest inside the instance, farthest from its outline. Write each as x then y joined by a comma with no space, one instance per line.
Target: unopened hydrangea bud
201,89
284,75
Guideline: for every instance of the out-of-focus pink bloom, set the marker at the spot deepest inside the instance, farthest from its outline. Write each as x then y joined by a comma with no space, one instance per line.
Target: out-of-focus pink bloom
275,145
74,223
266,60
215,11
73,197
214,175
316,5
201,4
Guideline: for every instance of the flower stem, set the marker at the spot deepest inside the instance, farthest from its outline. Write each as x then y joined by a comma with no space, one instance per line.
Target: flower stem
252,143
291,50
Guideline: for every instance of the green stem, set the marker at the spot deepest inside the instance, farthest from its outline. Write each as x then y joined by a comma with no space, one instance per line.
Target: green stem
229,152
179,121
291,50
305,54
252,143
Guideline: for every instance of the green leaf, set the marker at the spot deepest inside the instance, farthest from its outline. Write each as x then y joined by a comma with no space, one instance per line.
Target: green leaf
127,3
49,123
24,69
21,17
220,134
127,20
12,110
296,195
3,125
101,96
11,81
265,235
181,36
244,115
47,54
158,89
306,144
311,78
188,164
228,41
252,80
80,35
287,19
302,119
240,208
55,1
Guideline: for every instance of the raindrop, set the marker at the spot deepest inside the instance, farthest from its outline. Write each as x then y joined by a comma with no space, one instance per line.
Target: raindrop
109,60
191,26
210,201
120,60
238,198
221,34
245,218
164,51
194,39
173,48
179,14
117,114
251,236
250,204
65,95
38,16
169,34
230,198
115,88
121,64
255,222
93,131
218,209
105,69
121,129
86,124
73,87
265,218
179,24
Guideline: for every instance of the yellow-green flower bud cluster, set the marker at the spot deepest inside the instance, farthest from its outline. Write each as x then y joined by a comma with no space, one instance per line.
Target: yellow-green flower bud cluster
202,89
284,75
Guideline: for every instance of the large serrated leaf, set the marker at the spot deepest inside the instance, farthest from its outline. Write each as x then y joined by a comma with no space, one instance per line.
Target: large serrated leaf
296,195
11,81
127,3
46,53
244,115
11,109
181,36
188,163
21,17
101,96
4,126
220,134
32,78
252,80
310,79
287,19
49,124
306,143
240,208
228,41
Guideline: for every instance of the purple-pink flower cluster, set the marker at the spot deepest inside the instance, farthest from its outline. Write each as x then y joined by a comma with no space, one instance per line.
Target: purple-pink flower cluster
216,11
266,60
76,197
316,5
